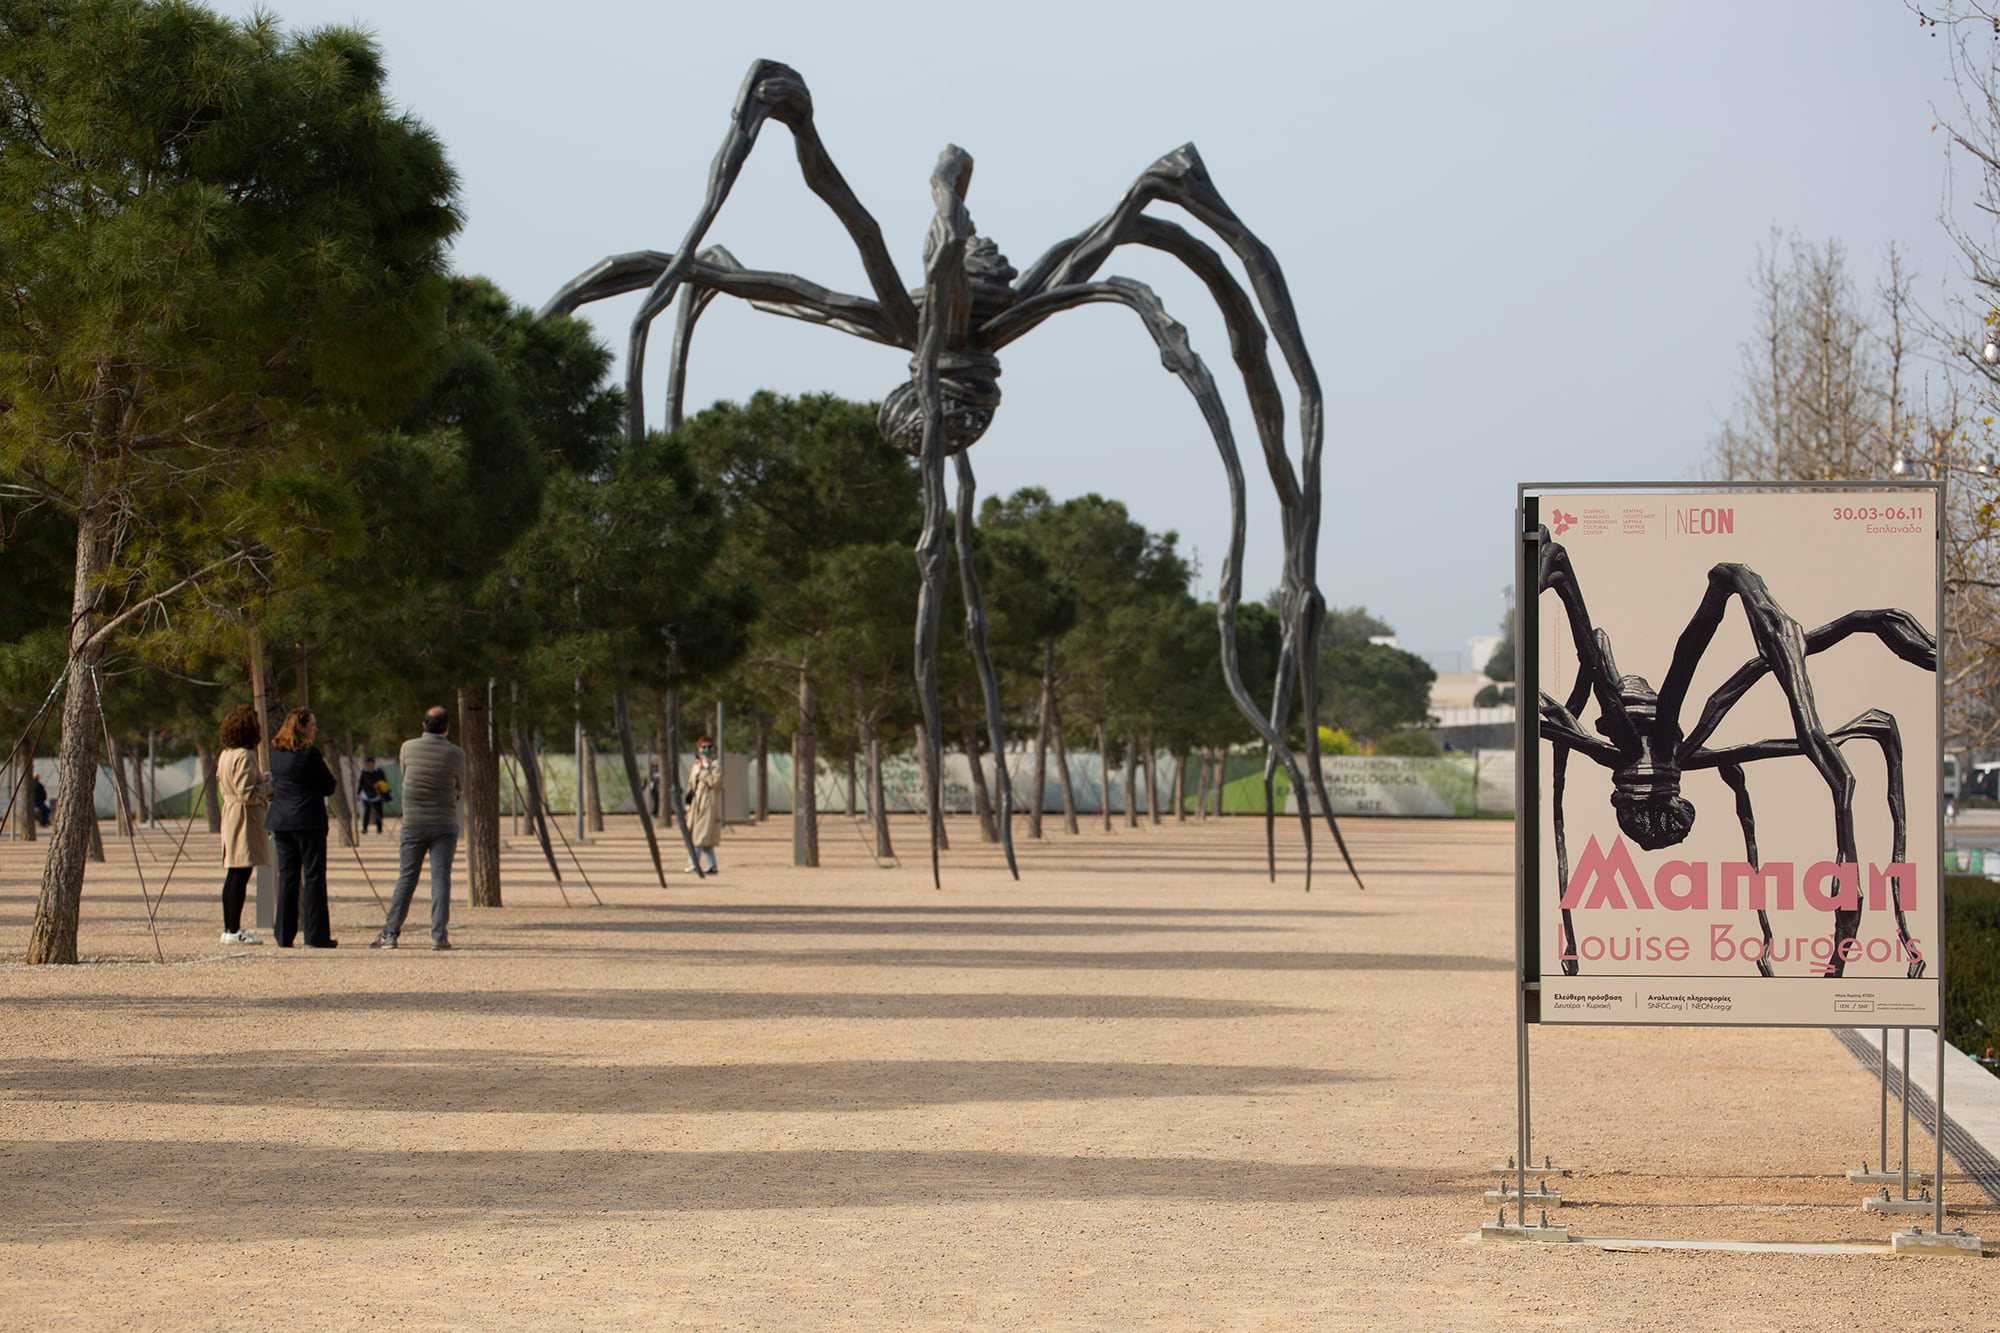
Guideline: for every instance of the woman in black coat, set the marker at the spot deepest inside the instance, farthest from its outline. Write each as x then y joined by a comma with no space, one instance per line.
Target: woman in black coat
301,782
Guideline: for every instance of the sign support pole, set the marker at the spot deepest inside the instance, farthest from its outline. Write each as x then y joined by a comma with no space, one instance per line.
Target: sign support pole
1937,1140
1905,1166
1882,1158
1524,543
1527,560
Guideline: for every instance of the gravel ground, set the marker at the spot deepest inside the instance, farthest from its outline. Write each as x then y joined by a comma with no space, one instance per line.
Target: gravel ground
1144,1087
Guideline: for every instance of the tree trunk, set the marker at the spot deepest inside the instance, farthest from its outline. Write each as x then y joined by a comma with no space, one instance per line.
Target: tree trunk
982,799
1042,740
1131,784
121,789
1062,766
763,769
53,936
96,833
211,802
21,795
343,809
1180,787
1103,775
622,712
853,793
591,794
1221,772
1152,783
878,805
924,776
142,798
482,798
1201,792
660,787
670,702
539,754
805,794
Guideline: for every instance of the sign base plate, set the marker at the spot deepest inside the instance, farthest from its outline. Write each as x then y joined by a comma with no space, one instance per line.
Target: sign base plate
1512,1231
1948,1243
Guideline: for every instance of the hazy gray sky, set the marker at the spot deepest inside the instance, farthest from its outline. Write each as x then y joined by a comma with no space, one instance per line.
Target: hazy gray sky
1519,235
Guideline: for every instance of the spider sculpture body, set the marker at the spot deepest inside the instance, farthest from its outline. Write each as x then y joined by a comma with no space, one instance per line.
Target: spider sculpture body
971,305
1640,739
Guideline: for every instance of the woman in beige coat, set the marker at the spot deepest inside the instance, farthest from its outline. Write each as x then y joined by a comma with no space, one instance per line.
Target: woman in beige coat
246,791
704,798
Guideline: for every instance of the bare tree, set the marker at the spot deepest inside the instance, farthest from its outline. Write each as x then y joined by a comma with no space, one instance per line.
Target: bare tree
1820,381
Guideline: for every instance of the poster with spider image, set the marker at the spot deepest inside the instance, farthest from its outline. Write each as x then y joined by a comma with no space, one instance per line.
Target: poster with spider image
1732,769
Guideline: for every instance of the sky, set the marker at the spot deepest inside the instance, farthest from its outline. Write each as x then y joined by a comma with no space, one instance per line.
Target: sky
1519,236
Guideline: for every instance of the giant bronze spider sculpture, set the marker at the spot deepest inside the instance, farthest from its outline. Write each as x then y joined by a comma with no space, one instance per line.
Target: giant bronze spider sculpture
971,305
1640,739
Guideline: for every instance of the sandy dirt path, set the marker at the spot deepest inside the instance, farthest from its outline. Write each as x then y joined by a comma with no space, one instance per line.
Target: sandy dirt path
1142,1088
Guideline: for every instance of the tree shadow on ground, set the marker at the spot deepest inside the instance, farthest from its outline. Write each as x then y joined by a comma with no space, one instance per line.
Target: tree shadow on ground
1147,960
648,1005
421,1082
1024,910
904,926
183,1191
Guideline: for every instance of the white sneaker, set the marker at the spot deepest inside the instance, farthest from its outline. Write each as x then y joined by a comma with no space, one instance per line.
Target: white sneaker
239,937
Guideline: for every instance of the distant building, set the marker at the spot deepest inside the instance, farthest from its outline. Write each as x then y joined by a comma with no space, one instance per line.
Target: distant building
1479,650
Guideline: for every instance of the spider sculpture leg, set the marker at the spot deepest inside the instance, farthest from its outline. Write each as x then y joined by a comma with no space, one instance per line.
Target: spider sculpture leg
1873,725
1181,178
771,90
714,270
1898,630
1781,645
1782,648
1565,734
946,309
1179,357
1733,775
1596,670
975,639
694,301
1566,943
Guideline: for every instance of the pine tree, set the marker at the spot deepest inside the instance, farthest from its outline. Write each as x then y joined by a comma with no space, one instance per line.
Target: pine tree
220,260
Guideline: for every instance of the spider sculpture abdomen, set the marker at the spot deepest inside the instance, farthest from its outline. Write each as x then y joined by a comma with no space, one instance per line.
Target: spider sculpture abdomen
970,384
968,375
1646,788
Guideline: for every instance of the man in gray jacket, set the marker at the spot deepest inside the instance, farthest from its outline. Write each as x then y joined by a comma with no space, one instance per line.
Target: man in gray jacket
433,779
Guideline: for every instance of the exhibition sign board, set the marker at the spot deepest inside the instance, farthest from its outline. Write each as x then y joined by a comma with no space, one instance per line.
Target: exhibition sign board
1729,791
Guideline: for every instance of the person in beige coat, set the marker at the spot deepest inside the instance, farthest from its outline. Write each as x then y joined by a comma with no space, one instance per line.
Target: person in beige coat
704,803
246,791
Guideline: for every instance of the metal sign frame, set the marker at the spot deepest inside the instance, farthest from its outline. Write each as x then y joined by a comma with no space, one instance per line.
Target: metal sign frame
1527,792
